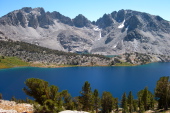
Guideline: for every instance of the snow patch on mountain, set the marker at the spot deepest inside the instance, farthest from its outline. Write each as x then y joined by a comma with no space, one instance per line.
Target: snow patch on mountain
96,29
100,36
121,25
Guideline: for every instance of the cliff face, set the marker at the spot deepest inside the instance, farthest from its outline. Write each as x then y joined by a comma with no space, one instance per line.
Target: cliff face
125,31
129,31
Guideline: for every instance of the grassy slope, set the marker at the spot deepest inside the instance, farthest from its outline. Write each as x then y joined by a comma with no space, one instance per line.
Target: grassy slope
9,62
124,64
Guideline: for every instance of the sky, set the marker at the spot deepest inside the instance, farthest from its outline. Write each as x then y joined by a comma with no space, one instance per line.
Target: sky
91,9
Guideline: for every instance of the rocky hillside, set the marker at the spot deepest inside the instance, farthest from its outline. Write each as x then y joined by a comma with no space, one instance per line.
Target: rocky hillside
40,56
132,31
51,30
36,54
125,31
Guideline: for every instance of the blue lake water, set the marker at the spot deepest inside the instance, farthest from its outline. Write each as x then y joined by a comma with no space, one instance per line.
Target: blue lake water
116,80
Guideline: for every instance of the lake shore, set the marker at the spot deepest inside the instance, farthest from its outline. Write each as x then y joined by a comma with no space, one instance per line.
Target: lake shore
12,62
47,65
43,65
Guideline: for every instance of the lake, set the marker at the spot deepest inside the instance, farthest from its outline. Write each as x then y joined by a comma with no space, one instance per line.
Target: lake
116,80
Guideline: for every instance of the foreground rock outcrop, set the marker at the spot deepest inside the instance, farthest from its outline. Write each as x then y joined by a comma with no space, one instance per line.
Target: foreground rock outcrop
13,107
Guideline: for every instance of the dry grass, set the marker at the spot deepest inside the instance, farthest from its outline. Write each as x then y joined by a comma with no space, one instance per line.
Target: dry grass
9,62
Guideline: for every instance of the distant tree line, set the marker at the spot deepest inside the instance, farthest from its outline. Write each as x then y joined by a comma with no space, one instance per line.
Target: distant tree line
48,99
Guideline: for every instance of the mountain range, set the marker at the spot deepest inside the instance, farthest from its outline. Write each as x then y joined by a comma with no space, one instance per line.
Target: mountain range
125,31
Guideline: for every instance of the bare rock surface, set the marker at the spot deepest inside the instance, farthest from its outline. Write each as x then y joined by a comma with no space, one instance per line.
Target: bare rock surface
13,107
125,31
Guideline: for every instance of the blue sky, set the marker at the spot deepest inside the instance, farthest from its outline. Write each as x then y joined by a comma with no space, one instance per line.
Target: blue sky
92,9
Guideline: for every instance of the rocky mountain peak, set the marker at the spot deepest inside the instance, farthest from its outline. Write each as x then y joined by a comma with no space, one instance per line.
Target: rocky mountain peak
61,18
81,21
39,9
34,17
121,15
27,9
116,33
105,21
31,10
132,20
132,23
24,17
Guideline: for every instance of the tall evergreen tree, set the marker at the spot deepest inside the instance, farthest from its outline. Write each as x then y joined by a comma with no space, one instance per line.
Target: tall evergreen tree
146,98
86,97
96,100
162,92
68,103
152,102
141,107
77,104
130,102
135,105
124,103
107,102
116,104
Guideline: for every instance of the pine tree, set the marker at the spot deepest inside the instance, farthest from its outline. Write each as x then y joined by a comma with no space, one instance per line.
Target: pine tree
146,98
130,102
96,100
115,105
68,103
38,89
135,105
107,102
124,103
53,92
50,106
77,104
141,108
43,93
152,102
86,96
162,93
